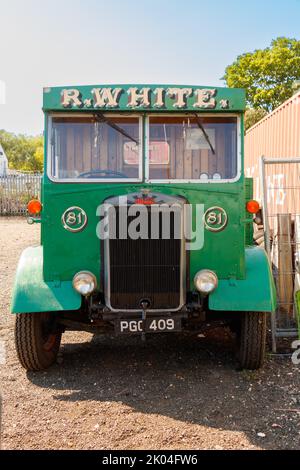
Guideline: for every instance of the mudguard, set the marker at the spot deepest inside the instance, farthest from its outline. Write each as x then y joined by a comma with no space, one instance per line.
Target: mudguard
256,293
32,294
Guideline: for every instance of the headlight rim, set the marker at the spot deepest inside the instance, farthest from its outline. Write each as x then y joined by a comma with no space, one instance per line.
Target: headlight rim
215,283
93,280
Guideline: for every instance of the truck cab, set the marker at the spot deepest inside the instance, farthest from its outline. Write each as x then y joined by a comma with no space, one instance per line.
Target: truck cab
146,221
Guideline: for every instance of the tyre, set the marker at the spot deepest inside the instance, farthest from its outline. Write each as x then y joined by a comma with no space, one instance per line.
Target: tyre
252,339
37,340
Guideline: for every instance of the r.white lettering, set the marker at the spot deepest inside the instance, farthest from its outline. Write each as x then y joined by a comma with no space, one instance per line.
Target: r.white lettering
138,97
106,97
71,97
181,95
205,98
159,97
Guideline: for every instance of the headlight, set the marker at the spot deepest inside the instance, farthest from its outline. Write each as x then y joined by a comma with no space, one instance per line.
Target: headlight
206,281
84,282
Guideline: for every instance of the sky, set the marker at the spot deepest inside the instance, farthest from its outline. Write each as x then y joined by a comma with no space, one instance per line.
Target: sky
76,42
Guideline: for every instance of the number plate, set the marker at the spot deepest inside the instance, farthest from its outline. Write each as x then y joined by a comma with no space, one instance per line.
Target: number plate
150,325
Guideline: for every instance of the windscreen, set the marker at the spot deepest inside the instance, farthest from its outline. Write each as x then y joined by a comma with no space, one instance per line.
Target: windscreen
107,147
96,147
192,147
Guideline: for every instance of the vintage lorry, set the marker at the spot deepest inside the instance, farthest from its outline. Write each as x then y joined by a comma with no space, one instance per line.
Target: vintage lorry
146,221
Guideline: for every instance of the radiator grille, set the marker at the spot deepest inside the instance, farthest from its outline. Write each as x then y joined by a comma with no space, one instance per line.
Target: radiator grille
145,269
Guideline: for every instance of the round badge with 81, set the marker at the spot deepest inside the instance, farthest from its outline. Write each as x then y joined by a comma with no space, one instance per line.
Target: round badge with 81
215,219
74,219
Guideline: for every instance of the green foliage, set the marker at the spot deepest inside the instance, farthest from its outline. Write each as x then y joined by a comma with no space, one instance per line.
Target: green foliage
267,74
24,153
252,116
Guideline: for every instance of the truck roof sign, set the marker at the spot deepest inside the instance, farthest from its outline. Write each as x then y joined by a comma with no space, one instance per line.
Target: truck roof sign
144,98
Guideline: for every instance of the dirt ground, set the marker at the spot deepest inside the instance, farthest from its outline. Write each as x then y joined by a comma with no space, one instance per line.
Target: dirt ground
172,392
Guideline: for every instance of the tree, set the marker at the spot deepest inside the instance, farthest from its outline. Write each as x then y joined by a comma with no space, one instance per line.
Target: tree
267,74
24,153
252,116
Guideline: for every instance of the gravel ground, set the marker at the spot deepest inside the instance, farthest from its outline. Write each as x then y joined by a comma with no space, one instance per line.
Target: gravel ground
173,392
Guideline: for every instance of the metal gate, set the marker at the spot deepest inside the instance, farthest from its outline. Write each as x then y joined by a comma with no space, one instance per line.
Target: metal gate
280,188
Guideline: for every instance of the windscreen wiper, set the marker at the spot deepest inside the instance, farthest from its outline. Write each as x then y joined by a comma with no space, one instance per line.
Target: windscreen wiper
199,124
101,118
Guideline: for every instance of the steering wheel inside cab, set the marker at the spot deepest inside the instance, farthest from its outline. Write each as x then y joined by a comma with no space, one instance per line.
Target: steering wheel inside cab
102,173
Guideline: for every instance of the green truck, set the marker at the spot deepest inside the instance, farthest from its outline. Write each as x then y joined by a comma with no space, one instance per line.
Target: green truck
146,221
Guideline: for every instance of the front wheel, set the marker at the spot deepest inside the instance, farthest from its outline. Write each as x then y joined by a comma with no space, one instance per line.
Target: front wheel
252,339
37,340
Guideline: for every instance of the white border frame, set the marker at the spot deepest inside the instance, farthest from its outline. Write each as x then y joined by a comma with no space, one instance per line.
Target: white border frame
197,181
95,180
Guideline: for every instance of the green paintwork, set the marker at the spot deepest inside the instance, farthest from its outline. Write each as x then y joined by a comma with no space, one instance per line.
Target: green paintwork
32,294
44,278
248,197
254,293
66,253
236,97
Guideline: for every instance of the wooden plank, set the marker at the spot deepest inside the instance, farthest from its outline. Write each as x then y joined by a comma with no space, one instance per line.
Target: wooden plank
87,146
104,147
204,159
297,265
119,152
188,159
172,164
220,152
196,164
95,138
112,149
69,165
78,150
179,154
285,281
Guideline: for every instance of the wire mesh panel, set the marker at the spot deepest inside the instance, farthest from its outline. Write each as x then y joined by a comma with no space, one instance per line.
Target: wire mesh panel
280,179
16,190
